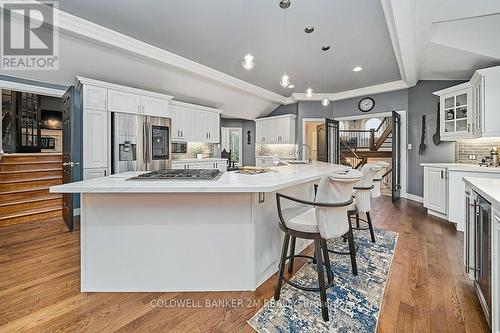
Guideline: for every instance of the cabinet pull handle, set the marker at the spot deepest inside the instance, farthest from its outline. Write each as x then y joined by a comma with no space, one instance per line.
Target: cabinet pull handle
441,174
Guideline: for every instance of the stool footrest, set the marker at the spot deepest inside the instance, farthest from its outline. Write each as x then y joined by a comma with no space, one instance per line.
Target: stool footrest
295,285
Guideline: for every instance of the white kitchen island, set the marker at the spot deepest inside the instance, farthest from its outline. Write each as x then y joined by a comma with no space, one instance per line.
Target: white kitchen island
195,235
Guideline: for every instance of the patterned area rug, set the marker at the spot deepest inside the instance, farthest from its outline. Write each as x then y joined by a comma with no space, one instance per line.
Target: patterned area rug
353,302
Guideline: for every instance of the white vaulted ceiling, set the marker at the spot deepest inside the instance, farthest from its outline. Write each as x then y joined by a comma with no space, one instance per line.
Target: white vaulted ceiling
192,49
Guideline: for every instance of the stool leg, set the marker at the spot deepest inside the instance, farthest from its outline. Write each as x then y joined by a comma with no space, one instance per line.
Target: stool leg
357,220
352,251
281,269
326,258
369,220
292,253
321,279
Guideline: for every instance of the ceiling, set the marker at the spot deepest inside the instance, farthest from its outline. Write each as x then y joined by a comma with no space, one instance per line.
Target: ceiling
444,39
216,36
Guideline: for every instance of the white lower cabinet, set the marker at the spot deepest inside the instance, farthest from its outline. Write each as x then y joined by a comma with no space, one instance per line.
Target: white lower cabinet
436,189
210,164
495,276
95,173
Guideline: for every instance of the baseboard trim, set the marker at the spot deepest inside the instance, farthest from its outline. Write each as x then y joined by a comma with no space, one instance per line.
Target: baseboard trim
414,197
440,215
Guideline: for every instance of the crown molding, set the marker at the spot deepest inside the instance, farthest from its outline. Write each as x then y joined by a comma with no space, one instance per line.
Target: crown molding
81,28
31,88
371,90
109,85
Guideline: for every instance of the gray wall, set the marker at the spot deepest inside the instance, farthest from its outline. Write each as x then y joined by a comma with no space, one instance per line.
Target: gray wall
248,150
422,101
417,100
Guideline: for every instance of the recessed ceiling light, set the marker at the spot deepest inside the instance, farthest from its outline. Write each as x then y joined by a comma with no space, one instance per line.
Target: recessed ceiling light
357,69
291,86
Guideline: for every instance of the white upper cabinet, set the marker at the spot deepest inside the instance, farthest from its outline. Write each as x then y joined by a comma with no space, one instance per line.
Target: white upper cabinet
457,114
194,123
121,101
486,83
153,106
279,129
95,97
470,110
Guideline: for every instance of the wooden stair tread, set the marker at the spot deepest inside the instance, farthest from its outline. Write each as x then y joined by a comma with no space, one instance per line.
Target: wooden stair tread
29,180
30,212
32,162
30,170
50,196
39,188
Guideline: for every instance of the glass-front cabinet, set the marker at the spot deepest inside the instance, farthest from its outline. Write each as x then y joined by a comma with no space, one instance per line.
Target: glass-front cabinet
457,114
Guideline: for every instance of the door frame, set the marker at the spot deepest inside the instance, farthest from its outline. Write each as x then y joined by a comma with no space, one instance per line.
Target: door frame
240,129
404,141
304,124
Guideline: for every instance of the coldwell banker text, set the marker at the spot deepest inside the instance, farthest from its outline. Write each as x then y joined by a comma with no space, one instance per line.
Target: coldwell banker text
29,35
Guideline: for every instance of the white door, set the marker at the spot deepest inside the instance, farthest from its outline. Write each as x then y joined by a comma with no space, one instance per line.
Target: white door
94,97
121,101
435,189
154,106
96,143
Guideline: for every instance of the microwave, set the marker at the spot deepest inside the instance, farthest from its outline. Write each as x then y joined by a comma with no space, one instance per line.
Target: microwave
179,147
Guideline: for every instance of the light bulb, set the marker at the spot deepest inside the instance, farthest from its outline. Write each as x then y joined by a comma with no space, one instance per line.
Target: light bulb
357,69
285,81
309,92
291,86
248,62
325,101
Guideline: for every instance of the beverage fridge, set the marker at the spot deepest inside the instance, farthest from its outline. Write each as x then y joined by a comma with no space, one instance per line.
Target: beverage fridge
140,143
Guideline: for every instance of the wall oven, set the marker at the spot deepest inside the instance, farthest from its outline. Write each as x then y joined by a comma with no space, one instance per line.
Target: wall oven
179,147
140,143
478,247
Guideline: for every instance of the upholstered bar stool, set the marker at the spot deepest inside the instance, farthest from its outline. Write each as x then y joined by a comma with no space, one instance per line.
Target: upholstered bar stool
378,179
362,195
324,218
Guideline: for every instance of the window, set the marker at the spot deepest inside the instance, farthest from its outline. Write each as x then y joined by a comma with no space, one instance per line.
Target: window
231,141
372,123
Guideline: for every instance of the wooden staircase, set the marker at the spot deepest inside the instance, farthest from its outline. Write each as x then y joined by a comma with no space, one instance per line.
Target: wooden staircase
24,187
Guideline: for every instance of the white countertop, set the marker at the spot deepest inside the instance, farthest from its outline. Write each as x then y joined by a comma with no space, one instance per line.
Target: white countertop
283,177
488,188
194,160
462,167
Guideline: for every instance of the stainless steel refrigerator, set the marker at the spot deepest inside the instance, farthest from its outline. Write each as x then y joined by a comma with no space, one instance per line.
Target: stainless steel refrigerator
140,143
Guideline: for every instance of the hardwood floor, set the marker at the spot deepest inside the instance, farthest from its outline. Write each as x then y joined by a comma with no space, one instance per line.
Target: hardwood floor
39,285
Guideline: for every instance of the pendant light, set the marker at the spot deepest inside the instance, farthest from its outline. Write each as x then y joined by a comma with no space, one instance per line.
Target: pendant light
285,79
248,61
325,102
309,91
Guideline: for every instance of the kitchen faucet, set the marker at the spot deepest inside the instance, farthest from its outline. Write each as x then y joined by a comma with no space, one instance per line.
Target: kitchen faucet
309,154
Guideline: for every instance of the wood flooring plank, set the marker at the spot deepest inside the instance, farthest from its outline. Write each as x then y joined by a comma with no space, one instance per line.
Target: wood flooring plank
427,288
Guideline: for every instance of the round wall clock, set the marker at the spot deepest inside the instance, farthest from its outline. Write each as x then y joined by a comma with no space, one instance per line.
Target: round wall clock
366,104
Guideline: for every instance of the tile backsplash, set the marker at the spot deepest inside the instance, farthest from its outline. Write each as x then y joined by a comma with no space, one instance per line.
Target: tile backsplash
479,147
281,150
194,148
